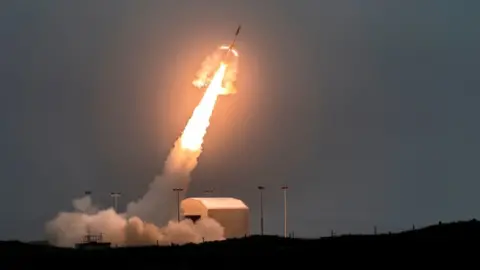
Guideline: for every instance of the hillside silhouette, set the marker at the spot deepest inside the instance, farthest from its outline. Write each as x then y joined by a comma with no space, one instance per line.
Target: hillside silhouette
246,251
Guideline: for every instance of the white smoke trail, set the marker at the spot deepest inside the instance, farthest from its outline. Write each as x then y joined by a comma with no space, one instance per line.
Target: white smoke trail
158,204
181,161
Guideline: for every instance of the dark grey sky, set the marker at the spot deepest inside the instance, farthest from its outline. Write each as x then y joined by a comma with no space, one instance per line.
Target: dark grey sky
367,109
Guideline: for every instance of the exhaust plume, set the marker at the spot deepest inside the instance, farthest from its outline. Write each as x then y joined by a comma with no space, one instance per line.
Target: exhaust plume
224,54
149,220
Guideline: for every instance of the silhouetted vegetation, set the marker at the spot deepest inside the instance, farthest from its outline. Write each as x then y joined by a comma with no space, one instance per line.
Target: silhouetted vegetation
246,251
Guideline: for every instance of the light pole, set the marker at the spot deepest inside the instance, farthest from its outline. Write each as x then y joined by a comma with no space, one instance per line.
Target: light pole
178,190
115,196
285,188
261,188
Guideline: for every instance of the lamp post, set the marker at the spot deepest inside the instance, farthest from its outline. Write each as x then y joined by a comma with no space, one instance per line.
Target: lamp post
261,188
285,188
178,190
115,196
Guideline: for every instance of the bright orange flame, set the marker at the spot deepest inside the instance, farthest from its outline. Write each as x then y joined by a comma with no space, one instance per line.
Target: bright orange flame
223,54
192,137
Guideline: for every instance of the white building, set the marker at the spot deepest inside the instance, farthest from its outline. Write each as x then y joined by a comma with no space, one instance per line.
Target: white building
233,214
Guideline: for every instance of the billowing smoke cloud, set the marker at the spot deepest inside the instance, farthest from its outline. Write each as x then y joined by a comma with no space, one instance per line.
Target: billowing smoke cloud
70,228
84,205
147,221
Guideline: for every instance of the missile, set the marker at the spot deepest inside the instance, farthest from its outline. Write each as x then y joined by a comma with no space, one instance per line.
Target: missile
233,42
204,82
236,35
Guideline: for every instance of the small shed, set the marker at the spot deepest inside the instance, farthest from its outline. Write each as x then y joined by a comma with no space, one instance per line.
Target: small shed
233,214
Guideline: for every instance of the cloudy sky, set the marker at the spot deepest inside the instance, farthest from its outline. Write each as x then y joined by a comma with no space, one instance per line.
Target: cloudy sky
368,110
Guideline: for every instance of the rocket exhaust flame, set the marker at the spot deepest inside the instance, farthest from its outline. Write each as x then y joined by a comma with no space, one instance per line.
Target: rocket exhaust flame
192,137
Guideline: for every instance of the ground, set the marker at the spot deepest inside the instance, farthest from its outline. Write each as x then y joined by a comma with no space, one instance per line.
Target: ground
429,242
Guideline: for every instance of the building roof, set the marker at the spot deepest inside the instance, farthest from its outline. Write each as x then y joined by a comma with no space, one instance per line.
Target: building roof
221,203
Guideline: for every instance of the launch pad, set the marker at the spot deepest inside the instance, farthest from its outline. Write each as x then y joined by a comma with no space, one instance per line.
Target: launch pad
92,242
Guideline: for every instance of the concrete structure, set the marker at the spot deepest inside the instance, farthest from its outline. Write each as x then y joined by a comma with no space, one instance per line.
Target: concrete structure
231,213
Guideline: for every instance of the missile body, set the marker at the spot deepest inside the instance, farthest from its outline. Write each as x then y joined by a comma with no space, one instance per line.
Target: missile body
236,34
233,42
